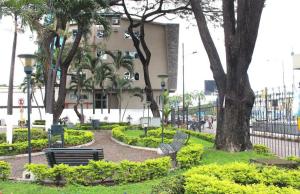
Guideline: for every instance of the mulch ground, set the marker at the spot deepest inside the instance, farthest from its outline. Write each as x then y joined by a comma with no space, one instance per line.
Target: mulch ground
112,152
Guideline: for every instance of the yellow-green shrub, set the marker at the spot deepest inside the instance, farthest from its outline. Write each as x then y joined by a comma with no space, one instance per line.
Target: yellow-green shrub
72,137
4,170
122,172
203,184
189,155
261,149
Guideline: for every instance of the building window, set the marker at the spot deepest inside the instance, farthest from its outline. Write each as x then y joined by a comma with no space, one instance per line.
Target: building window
115,21
74,33
127,35
136,76
126,75
101,54
73,96
101,34
130,54
100,100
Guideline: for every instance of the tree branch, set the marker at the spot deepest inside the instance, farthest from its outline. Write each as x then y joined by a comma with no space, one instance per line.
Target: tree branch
215,62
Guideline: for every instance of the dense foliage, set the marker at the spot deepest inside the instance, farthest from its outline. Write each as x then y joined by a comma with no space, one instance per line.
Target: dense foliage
40,141
233,178
4,170
102,171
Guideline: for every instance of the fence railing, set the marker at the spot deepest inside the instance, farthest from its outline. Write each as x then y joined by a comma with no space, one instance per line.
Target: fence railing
273,123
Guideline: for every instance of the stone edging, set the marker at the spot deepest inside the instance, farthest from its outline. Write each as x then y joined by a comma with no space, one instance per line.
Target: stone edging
134,147
41,153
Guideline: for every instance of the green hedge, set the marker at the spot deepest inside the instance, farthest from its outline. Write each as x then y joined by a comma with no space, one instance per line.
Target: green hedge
4,170
261,149
102,171
205,136
149,141
72,137
189,155
244,174
234,178
39,122
198,184
21,135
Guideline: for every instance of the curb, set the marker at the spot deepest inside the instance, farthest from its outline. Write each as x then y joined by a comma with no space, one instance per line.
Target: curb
134,147
41,153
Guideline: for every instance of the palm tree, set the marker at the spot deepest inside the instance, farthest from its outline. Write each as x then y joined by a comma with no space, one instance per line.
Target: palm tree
134,92
100,71
14,9
119,60
37,82
53,34
118,85
79,83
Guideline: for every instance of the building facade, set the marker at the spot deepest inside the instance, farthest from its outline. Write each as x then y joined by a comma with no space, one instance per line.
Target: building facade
162,40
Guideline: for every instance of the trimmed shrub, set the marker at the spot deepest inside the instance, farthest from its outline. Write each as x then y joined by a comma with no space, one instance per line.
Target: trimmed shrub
261,149
21,135
205,136
4,170
173,185
249,174
168,134
39,122
72,137
293,158
189,155
75,137
96,171
199,184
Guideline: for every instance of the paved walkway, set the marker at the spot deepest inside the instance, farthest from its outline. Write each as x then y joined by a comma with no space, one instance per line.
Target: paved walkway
112,152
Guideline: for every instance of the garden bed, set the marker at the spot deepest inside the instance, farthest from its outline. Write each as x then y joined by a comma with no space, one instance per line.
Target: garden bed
39,140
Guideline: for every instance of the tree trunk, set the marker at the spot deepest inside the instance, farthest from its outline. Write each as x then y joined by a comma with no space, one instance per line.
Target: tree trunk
236,98
12,70
80,116
233,132
60,103
93,93
37,104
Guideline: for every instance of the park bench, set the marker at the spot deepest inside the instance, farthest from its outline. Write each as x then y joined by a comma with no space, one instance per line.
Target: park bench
72,156
180,138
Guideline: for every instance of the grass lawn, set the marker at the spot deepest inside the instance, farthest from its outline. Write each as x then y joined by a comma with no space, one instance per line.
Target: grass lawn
27,188
210,156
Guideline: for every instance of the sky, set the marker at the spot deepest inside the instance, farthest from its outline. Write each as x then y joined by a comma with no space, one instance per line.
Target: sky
279,35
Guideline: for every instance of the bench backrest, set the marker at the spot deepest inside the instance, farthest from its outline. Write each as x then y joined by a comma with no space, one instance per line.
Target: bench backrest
72,156
179,140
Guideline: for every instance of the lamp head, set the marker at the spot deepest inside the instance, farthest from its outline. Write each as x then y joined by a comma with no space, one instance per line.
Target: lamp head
28,60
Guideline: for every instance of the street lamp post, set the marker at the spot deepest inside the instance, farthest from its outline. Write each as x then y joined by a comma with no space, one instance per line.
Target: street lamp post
163,85
28,61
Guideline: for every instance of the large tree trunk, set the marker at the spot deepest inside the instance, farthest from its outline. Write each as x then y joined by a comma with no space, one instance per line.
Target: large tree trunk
12,70
60,103
236,97
233,119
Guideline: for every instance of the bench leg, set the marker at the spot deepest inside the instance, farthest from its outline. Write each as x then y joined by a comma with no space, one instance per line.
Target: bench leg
173,158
